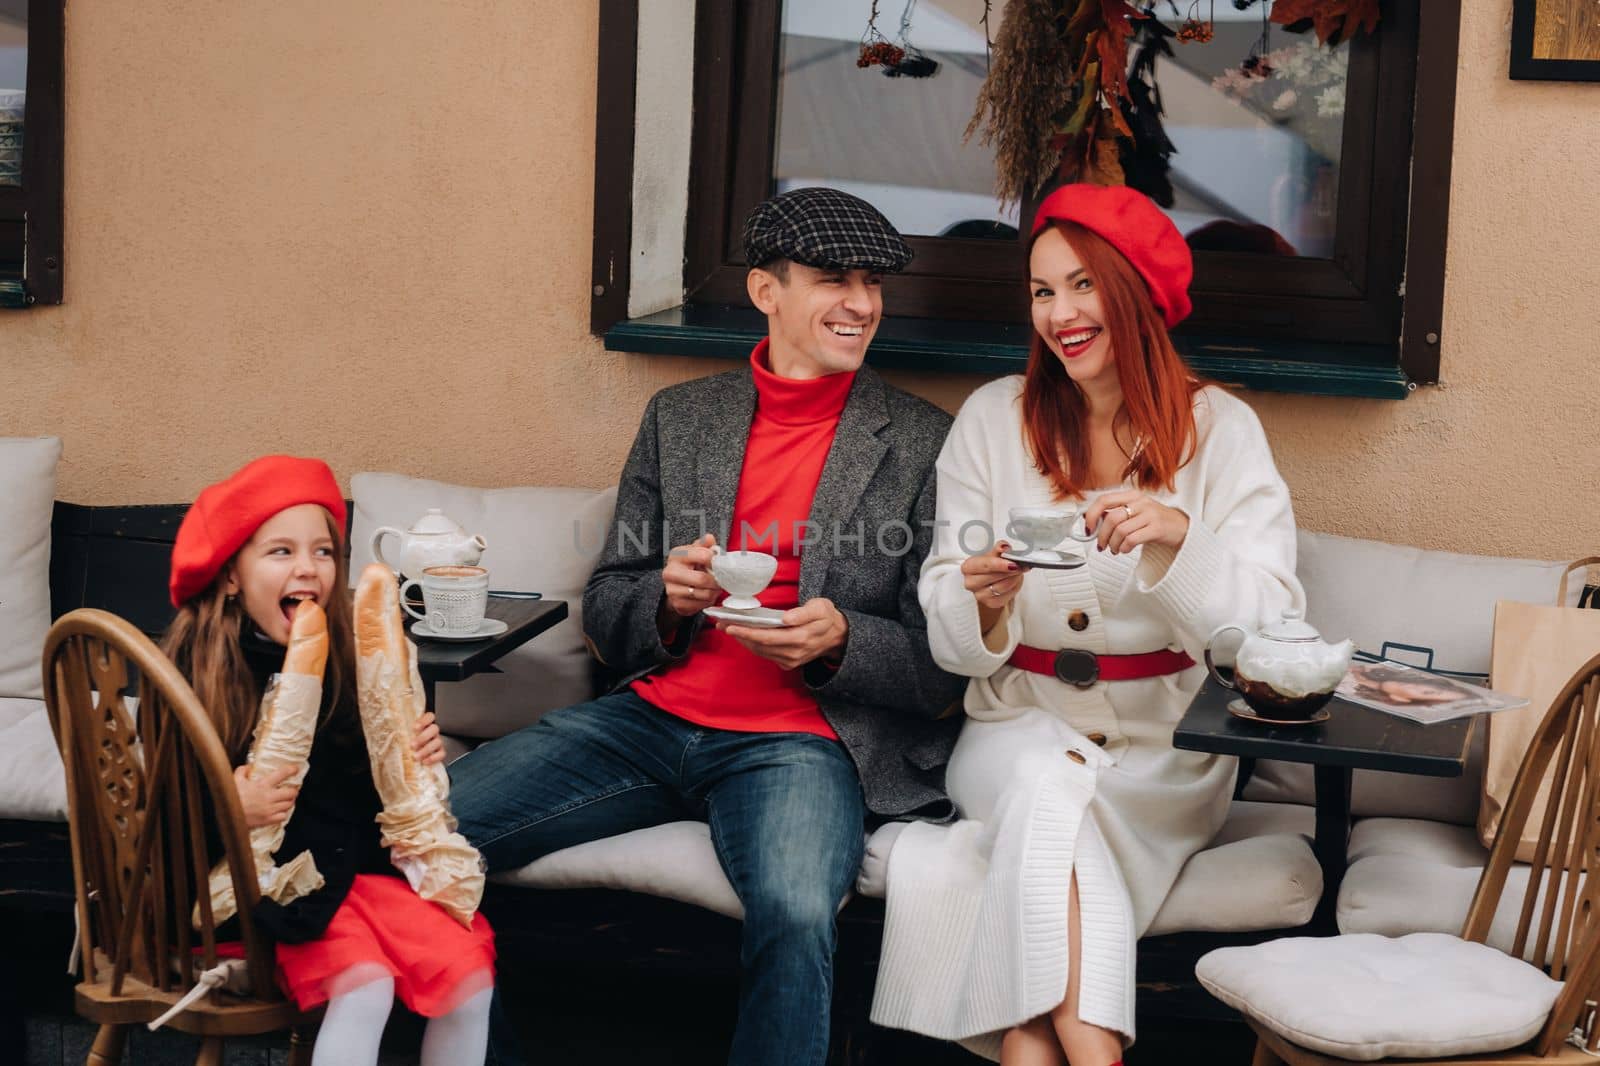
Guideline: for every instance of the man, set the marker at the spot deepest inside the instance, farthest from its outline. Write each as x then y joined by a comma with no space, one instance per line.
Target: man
784,739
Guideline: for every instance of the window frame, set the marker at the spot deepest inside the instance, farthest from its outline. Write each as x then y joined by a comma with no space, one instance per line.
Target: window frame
1393,223
31,223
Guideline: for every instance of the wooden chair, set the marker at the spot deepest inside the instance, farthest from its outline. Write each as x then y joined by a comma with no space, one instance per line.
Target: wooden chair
136,790
1556,920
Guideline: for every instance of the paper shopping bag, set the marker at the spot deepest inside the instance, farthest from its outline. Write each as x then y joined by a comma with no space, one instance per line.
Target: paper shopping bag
1536,651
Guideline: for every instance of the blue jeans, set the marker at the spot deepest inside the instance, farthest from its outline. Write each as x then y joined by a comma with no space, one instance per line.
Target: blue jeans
786,817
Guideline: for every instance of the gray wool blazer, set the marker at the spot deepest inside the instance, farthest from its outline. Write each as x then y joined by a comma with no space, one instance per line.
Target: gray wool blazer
871,526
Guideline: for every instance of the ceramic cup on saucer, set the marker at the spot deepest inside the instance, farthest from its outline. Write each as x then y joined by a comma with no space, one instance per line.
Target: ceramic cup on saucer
742,574
1042,528
455,598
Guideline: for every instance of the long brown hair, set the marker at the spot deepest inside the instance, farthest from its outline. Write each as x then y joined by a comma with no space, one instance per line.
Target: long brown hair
203,641
1157,386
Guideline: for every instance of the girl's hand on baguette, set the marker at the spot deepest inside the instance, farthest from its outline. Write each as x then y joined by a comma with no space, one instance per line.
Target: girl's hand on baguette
429,745
266,801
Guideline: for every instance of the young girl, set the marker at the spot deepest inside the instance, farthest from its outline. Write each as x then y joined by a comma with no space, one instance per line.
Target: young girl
248,552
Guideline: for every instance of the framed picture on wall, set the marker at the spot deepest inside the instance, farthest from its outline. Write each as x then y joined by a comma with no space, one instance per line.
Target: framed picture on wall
1555,40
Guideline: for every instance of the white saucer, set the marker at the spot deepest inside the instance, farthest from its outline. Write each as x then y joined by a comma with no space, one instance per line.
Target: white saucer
489,627
1045,559
755,618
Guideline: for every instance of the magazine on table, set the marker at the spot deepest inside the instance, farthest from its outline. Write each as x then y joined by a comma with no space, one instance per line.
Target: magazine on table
1420,695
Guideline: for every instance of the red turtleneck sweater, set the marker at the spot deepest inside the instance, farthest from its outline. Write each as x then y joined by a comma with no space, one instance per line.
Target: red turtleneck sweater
721,684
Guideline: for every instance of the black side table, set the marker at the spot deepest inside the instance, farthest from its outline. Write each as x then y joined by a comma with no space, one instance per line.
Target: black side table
1353,738
440,660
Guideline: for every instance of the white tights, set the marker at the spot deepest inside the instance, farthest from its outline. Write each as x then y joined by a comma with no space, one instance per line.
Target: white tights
358,1008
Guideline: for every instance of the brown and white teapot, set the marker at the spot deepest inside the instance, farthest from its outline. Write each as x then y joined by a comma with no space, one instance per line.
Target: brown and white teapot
1285,670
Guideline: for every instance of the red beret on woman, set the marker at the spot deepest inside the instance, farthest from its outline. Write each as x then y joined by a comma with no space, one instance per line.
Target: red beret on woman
227,514
1132,224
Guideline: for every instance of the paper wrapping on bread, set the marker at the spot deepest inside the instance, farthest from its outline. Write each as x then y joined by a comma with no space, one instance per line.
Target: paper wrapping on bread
417,826
285,726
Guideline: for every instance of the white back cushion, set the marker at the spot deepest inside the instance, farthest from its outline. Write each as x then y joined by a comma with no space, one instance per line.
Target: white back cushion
28,489
33,785
540,540
1374,593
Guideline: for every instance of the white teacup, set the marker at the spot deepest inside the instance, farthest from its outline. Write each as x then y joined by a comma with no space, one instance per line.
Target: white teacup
455,598
743,574
1042,528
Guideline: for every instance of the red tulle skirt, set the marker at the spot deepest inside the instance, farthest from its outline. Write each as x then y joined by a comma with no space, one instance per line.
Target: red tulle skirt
436,962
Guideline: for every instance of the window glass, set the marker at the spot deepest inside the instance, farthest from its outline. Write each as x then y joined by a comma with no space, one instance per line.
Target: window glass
13,80
895,141
1256,115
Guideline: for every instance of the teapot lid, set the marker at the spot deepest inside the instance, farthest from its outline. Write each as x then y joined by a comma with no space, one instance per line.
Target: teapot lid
435,521
1291,627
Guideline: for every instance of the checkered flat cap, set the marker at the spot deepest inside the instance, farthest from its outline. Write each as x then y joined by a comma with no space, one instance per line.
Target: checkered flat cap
824,228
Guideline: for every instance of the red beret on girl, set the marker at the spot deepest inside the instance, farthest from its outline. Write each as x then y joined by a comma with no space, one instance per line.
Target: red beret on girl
228,513
1132,224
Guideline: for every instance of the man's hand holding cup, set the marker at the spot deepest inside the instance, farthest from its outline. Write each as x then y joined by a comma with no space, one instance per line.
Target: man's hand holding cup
686,581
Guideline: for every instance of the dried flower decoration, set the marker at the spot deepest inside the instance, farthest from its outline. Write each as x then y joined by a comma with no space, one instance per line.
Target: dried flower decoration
1051,104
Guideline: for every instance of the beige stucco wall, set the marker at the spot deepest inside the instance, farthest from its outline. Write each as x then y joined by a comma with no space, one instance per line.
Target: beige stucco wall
362,231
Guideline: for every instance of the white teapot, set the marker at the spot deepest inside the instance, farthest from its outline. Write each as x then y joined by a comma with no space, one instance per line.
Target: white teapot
1286,670
435,539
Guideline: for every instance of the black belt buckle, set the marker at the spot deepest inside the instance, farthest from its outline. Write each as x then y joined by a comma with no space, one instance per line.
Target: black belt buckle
1077,667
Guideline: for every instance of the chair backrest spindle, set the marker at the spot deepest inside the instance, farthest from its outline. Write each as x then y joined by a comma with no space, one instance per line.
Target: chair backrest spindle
1557,909
139,790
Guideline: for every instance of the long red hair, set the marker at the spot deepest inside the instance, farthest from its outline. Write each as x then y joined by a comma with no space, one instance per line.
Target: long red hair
1157,385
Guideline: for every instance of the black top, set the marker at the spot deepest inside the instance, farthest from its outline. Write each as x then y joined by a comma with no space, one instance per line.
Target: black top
334,816
1353,736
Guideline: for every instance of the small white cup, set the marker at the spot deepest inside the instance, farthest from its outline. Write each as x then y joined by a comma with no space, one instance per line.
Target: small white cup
455,598
1042,528
743,574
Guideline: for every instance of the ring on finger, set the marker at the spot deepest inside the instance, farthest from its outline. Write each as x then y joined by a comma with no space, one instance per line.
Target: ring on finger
1128,509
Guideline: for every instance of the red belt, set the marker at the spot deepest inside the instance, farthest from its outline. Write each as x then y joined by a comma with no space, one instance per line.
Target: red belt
1083,668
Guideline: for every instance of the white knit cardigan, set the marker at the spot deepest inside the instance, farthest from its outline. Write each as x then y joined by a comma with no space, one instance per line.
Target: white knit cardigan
1053,779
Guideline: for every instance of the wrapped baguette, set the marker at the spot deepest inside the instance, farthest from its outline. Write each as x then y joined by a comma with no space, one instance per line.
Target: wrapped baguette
417,826
284,729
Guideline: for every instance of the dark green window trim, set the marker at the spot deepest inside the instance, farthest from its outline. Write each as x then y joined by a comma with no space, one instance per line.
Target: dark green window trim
995,348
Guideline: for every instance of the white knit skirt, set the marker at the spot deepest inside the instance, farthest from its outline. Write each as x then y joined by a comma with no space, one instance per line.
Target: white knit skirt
975,933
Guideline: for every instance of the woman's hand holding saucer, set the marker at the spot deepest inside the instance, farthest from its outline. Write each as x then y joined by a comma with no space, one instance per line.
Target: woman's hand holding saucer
814,630
994,582
1127,518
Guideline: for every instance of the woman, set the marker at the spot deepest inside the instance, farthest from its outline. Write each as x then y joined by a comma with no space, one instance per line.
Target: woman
1079,812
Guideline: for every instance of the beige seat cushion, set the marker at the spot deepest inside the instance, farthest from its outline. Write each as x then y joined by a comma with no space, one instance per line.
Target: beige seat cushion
28,490
1367,997
675,860
1260,873
544,540
1408,875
